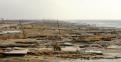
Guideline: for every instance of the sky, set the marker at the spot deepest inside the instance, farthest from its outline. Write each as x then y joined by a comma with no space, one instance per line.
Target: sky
61,9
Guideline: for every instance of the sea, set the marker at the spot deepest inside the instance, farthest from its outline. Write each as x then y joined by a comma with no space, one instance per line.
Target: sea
100,23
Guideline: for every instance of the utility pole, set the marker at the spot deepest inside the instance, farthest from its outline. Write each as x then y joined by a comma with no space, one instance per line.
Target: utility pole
22,28
58,28
56,46
3,28
2,21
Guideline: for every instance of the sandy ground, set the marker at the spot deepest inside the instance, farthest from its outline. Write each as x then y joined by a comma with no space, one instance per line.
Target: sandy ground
53,59
30,58
98,60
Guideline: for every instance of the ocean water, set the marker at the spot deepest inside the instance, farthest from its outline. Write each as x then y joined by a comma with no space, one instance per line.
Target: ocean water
101,23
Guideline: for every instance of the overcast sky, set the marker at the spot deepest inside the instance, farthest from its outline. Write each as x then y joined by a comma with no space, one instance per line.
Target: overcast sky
61,9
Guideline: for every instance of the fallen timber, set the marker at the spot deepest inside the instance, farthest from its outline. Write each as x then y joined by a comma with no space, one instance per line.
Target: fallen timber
71,54
13,52
76,55
16,45
68,54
